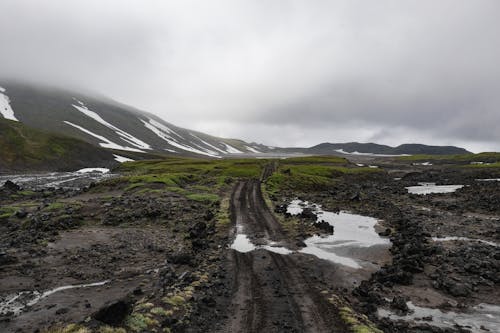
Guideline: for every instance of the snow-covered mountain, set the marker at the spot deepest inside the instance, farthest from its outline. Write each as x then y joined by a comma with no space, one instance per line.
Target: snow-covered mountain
118,127
109,124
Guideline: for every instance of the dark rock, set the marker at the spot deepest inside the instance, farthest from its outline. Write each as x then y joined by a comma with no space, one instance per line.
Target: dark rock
11,187
181,258
138,291
114,313
62,311
6,259
21,214
307,213
325,226
399,303
199,230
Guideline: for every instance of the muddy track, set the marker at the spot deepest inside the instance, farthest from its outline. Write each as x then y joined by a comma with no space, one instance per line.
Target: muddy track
249,212
271,292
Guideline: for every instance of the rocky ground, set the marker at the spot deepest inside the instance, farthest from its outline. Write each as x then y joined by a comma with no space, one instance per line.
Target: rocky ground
153,259
452,275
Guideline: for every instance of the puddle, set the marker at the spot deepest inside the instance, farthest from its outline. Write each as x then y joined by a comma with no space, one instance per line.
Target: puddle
16,303
352,234
465,239
481,316
242,244
428,188
488,180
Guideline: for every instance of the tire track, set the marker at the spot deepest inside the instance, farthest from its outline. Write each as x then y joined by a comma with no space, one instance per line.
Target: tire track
270,293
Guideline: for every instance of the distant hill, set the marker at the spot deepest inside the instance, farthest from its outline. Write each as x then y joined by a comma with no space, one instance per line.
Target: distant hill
357,148
27,149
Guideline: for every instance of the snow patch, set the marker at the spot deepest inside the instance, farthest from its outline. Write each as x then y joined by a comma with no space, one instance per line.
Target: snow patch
5,108
91,170
231,149
252,149
122,134
428,188
122,159
342,151
164,133
106,142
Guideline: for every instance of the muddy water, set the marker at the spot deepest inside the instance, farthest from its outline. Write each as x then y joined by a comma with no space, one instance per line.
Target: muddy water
18,302
485,316
428,188
354,242
67,180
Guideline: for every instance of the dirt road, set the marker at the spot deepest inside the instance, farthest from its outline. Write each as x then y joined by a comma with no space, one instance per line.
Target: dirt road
272,292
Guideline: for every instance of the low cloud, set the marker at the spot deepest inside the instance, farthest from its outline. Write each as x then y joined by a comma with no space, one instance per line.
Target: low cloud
283,72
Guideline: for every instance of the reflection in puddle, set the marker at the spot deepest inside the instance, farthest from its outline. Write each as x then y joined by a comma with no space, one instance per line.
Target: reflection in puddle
428,188
18,302
242,244
351,231
465,239
481,316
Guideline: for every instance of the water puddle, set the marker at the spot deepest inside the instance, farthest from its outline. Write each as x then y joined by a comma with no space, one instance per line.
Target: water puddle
242,244
353,234
16,303
488,180
428,188
481,316
465,239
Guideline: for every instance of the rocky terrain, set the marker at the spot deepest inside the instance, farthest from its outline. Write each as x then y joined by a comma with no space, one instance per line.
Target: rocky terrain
182,245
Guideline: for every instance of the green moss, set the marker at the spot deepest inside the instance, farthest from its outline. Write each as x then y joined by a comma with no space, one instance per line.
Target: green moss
109,329
7,211
138,322
357,323
159,311
223,217
72,328
175,300
55,206
203,197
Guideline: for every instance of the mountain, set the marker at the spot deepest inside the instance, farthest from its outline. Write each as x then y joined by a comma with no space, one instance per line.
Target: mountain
137,134
356,148
27,149
109,124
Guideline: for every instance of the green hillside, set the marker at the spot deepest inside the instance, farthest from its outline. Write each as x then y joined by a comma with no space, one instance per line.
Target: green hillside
27,149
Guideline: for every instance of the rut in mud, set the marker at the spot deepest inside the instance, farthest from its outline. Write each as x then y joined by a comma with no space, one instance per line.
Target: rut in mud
271,292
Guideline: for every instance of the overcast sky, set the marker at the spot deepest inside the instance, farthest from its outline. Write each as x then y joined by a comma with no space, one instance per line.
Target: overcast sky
279,72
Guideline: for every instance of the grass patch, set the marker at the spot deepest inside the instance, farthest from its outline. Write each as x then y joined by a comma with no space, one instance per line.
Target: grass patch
175,300
207,198
109,329
223,217
7,211
55,206
72,328
138,322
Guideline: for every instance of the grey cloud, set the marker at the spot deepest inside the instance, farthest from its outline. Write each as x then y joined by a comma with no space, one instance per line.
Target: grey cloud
391,71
